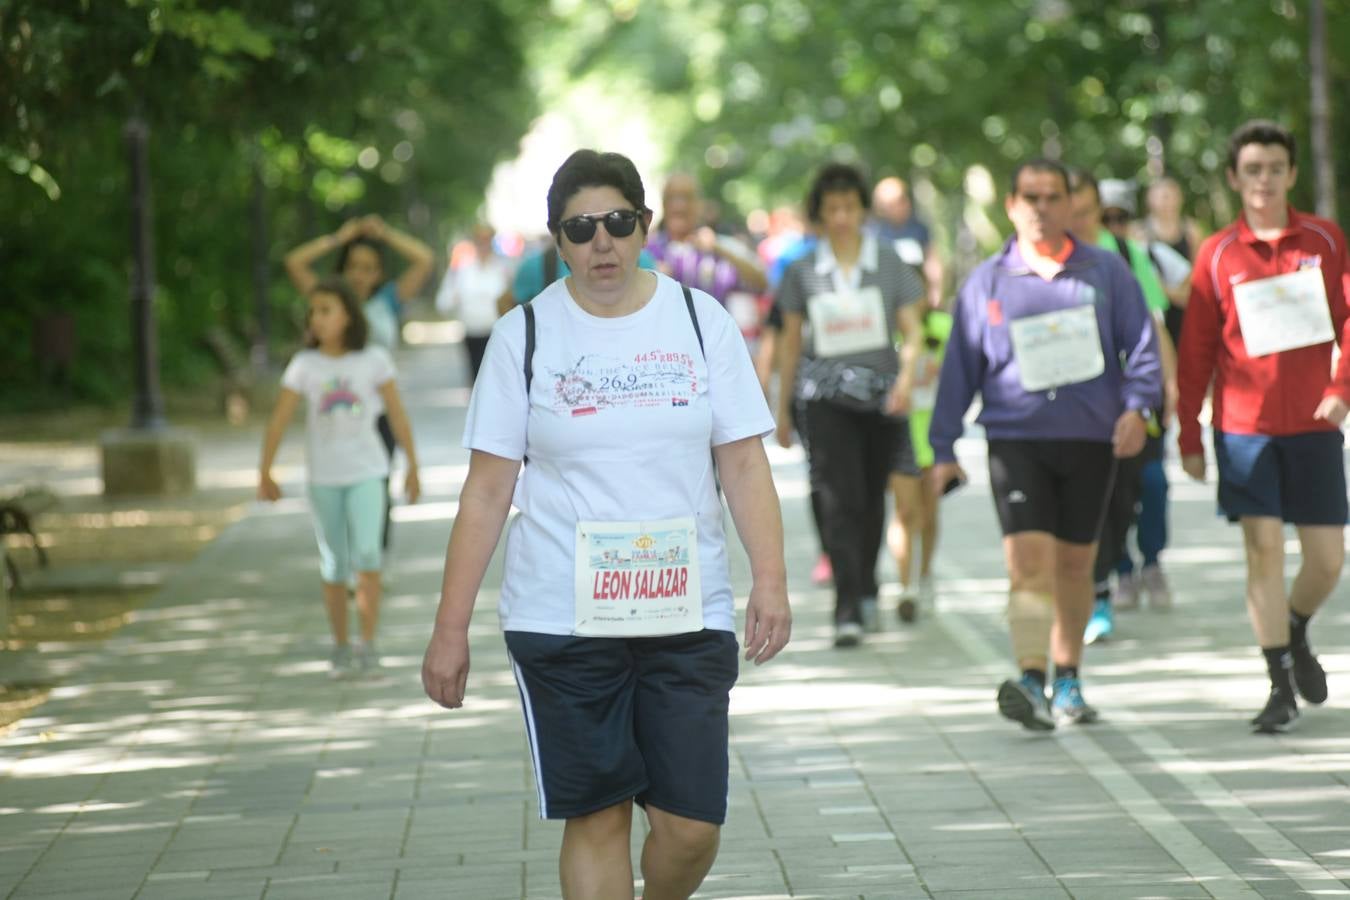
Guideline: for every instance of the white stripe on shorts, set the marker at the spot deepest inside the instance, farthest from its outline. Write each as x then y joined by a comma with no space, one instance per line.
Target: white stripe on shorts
530,732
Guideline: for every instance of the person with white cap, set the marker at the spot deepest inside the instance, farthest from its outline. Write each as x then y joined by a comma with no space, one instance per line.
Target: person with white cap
1102,213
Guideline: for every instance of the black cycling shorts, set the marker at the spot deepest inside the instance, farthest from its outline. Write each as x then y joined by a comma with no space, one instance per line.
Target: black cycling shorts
1060,487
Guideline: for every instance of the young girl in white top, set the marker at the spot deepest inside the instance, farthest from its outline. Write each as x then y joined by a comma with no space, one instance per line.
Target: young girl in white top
346,385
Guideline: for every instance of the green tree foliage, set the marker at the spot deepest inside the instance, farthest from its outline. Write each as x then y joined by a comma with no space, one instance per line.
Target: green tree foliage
933,87
392,106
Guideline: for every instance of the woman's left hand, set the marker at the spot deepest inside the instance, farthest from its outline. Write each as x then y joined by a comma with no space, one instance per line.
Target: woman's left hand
412,486
897,400
768,623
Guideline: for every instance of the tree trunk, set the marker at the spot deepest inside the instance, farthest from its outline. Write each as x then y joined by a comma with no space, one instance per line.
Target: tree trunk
1324,168
262,276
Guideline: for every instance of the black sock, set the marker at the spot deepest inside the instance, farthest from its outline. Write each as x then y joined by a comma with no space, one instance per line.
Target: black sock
1103,594
1065,671
1298,629
1280,665
1036,675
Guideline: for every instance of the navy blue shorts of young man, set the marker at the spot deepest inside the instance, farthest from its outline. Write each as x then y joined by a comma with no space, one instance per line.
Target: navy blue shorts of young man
611,719
1298,478
1060,487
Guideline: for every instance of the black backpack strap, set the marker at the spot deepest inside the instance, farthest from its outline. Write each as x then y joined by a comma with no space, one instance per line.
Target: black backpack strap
529,359
698,332
693,317
529,347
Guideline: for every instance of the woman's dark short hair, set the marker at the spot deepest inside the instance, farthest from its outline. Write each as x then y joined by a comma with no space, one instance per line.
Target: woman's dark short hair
1260,131
357,329
590,168
362,241
835,178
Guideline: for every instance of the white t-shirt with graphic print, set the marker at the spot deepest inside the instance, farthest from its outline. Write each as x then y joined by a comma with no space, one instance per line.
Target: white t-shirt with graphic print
342,402
621,420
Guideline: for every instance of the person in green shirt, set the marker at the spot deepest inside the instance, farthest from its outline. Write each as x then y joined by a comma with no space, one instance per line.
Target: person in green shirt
1102,213
918,519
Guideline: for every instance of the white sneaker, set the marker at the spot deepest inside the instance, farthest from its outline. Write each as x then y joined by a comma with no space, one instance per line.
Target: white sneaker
927,592
367,659
1155,583
847,634
1127,591
340,663
871,616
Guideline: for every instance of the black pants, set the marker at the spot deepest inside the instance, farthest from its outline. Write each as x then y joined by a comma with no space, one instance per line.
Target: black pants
850,457
476,346
1117,517
1122,508
817,514
387,437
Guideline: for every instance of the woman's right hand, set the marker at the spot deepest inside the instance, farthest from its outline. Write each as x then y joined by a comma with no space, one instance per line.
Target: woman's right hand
445,668
268,489
941,475
783,432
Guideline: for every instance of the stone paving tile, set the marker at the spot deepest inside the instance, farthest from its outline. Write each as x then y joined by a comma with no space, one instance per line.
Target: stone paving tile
244,872
74,892
208,730
234,891
1154,891
1040,893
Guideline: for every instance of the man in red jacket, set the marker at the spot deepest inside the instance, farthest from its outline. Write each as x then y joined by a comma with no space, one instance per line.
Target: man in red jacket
1268,302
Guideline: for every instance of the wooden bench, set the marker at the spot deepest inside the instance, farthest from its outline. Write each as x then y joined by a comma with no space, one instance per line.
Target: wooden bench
236,370
17,513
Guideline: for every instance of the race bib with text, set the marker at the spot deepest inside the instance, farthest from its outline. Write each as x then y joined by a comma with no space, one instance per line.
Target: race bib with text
1284,312
847,323
1057,348
637,579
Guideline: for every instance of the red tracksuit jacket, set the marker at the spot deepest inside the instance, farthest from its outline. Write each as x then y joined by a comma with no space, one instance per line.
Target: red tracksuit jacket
1274,394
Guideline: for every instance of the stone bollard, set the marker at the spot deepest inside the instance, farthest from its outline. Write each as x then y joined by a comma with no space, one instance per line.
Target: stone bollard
147,461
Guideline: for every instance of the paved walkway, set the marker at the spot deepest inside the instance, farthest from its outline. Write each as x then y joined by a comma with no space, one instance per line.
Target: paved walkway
203,753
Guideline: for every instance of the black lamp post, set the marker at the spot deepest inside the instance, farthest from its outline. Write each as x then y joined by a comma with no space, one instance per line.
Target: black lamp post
148,404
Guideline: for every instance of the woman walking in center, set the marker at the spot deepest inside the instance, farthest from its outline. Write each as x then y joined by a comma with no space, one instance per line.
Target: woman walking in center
631,400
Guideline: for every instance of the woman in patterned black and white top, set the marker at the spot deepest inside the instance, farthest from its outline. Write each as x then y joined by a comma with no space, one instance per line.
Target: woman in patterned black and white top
853,384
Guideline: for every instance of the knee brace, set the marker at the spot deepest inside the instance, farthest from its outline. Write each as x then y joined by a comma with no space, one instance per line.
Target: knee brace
1031,615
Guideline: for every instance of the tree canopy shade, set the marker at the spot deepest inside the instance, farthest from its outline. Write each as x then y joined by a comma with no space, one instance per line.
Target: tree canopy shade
403,106
393,106
932,87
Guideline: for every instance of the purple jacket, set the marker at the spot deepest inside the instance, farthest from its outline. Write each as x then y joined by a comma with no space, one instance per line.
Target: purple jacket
687,265
980,355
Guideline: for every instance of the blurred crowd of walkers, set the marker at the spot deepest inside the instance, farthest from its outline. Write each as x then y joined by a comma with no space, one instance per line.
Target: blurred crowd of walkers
659,349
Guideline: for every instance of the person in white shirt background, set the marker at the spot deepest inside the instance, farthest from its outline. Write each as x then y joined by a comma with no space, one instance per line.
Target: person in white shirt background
470,292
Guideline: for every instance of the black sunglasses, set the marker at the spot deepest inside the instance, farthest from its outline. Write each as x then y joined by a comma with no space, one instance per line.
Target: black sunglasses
618,222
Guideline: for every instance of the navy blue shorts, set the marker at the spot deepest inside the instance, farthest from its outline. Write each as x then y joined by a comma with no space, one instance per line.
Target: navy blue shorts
613,719
1298,478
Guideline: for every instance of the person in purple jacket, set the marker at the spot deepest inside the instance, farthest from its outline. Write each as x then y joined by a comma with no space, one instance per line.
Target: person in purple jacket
693,254
1056,338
